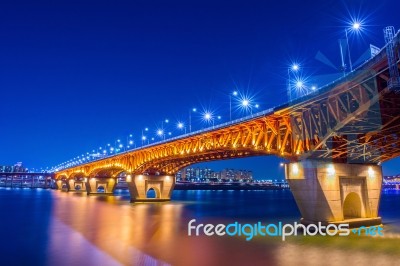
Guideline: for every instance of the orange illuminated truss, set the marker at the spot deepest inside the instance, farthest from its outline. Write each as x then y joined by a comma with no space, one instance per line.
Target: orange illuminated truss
354,120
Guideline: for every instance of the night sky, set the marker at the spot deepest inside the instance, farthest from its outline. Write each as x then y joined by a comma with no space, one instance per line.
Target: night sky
76,75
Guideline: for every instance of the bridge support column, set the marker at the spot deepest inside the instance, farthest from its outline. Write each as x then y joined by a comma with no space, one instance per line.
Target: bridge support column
100,186
336,192
62,185
77,185
139,185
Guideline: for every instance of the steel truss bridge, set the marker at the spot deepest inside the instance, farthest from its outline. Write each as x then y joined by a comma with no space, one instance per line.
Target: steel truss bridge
352,121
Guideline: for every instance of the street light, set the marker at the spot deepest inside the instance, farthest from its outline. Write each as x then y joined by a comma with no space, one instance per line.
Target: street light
234,93
208,117
356,26
299,84
162,123
143,136
293,68
245,104
181,126
160,133
190,118
129,141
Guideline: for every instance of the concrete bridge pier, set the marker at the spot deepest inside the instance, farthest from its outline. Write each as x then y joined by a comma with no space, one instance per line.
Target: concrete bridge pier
100,186
77,185
139,185
336,192
62,184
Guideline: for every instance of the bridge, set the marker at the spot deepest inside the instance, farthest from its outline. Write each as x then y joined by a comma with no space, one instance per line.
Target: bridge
334,138
26,179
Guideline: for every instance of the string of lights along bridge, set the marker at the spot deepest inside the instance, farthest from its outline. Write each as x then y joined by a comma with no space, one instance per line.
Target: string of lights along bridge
238,101
333,138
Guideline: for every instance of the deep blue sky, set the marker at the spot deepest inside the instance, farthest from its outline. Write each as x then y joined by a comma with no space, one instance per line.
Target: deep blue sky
77,75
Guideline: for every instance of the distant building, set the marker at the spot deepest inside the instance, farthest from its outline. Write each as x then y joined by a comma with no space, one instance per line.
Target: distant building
391,182
207,175
236,175
16,168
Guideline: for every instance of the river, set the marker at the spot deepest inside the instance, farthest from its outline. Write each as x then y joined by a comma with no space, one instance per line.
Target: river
48,227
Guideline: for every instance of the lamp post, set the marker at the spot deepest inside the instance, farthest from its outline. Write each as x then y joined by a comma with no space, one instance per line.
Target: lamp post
129,141
143,136
234,93
161,131
208,117
292,68
117,144
161,134
181,126
190,118
246,105
356,26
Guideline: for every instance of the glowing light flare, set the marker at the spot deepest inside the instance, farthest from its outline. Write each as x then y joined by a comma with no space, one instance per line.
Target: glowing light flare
331,170
356,25
295,67
299,84
295,169
371,172
245,102
207,116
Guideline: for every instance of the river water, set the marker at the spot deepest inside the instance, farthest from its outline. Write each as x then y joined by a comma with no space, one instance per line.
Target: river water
47,227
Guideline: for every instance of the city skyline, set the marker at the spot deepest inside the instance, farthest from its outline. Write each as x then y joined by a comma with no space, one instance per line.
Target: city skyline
87,80
206,174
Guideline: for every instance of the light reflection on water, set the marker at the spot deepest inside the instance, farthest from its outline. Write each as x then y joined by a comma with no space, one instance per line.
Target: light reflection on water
56,228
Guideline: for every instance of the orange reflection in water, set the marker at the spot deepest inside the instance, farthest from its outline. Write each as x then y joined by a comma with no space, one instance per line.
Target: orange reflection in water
108,230
131,234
